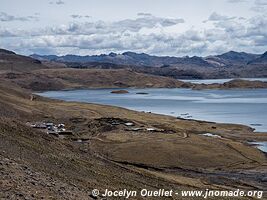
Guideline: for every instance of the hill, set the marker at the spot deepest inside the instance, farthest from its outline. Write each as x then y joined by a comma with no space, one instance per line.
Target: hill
12,62
103,152
58,79
42,75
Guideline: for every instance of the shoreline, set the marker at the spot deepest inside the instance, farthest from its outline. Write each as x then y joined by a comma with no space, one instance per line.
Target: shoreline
69,79
177,115
248,142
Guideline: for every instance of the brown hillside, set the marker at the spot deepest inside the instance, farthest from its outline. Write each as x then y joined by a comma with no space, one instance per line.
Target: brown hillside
57,79
113,156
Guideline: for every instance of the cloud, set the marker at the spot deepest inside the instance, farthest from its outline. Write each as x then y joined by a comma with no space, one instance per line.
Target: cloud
102,27
146,33
7,33
260,6
261,2
146,21
4,17
236,1
58,2
101,35
75,16
217,17
144,14
259,9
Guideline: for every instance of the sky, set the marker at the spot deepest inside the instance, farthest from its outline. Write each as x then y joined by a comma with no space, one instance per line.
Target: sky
157,27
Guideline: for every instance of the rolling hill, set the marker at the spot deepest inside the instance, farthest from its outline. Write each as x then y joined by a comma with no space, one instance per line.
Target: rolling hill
42,75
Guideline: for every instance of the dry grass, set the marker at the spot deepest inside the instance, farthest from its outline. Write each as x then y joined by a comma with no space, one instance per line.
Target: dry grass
116,158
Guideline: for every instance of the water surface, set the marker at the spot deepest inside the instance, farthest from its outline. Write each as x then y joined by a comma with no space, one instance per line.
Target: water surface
239,106
260,145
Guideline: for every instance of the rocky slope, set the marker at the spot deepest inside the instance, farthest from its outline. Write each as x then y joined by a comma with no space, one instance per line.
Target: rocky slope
104,152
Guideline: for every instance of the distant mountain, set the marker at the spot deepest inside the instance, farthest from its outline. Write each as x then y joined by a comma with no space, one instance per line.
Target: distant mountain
127,58
232,58
238,57
44,57
141,59
260,60
227,65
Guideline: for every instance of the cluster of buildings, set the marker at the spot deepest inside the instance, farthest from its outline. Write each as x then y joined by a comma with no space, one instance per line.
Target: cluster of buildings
51,128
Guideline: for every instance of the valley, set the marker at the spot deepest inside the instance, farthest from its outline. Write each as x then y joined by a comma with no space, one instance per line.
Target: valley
111,147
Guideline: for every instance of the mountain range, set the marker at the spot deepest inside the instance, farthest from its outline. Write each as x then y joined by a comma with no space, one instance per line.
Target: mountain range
141,59
228,65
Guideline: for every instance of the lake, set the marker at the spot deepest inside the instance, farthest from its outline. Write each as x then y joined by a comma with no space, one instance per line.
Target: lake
260,145
239,106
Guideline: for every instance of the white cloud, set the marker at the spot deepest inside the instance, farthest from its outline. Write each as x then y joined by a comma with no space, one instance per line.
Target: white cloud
260,6
94,37
5,17
58,2
144,14
261,2
236,1
76,16
217,17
